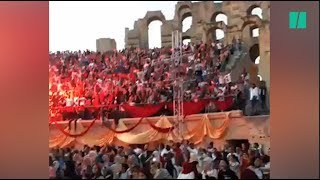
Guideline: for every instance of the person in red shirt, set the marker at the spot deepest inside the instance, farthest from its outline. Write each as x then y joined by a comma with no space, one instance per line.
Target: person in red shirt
96,104
102,96
178,154
190,167
253,171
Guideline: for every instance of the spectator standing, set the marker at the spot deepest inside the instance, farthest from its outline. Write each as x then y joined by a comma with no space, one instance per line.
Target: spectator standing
253,171
225,172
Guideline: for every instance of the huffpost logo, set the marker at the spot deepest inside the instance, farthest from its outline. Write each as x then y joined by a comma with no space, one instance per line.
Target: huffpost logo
297,20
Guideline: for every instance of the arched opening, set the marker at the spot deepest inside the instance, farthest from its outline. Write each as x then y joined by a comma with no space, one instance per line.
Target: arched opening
257,60
154,34
257,11
254,53
186,19
215,34
186,23
219,34
218,17
185,15
186,40
255,32
251,31
222,17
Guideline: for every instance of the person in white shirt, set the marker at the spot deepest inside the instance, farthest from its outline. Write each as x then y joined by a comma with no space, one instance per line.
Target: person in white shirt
208,170
165,151
254,95
232,152
221,79
192,149
82,101
76,101
267,165
117,166
69,102
235,164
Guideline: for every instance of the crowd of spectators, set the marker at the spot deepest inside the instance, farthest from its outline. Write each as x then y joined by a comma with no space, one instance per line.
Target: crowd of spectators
170,161
142,76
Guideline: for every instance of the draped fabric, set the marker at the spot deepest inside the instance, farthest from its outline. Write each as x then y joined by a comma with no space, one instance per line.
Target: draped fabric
100,136
148,136
192,107
161,130
148,110
145,110
205,128
189,107
60,139
125,130
81,133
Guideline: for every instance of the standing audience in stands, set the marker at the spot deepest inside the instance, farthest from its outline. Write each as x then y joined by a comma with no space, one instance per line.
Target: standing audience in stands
117,162
81,82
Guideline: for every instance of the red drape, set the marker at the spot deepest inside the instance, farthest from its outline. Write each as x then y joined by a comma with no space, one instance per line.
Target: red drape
196,107
145,110
68,109
148,110
224,105
191,107
59,126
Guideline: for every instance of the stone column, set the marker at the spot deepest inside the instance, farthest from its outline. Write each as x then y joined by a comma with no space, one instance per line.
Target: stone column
126,31
105,44
264,46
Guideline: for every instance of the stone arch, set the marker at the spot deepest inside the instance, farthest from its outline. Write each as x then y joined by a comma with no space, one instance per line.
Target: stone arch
144,26
214,16
252,28
213,27
217,25
254,52
153,16
184,11
154,34
252,7
185,15
251,20
182,7
186,38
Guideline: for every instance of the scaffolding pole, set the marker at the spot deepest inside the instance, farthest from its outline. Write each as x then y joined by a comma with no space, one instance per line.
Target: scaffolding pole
178,90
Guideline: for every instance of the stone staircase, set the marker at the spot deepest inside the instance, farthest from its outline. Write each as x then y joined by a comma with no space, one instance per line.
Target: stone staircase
239,61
